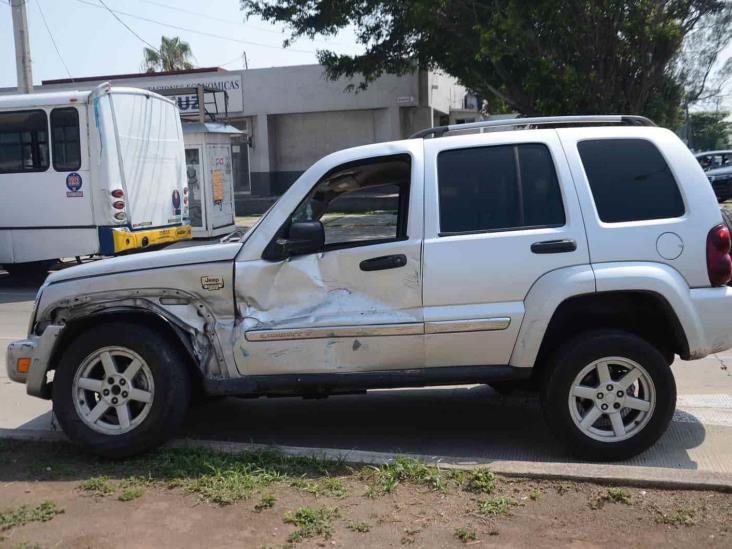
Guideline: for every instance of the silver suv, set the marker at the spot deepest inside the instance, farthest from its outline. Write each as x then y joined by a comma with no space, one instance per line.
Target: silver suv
575,256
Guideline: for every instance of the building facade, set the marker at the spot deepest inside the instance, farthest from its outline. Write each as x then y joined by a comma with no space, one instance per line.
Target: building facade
293,116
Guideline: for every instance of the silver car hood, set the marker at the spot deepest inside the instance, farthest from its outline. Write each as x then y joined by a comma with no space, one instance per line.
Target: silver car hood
149,260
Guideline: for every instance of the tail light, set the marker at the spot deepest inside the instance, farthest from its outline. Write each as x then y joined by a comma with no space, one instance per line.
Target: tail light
118,193
118,205
719,262
120,216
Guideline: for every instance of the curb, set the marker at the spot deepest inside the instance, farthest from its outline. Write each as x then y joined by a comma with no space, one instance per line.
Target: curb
601,473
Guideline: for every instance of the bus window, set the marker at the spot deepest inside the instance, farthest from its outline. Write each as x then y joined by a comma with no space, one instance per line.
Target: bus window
65,139
23,141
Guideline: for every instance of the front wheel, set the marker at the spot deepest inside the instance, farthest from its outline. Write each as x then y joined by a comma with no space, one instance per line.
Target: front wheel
609,395
121,389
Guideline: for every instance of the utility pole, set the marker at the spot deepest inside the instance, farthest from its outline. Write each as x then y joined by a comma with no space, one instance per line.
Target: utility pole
22,46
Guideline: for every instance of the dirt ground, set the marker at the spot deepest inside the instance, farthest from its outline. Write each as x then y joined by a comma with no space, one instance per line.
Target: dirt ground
53,496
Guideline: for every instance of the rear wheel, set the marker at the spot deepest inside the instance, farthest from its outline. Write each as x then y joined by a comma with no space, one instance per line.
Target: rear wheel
609,395
121,389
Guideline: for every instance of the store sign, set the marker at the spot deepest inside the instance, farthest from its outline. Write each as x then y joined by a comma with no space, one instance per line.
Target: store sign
188,104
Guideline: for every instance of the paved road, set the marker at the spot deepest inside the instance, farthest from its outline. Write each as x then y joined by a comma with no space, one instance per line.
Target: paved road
467,422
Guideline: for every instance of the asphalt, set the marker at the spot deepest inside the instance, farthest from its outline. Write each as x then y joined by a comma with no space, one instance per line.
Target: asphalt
455,426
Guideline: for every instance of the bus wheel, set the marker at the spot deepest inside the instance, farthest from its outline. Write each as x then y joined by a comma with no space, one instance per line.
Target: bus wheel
32,269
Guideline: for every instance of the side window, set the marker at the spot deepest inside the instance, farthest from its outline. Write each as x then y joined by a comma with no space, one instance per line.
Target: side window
361,203
630,180
499,188
23,141
65,139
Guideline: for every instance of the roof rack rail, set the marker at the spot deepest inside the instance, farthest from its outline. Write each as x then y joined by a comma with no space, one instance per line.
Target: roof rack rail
625,120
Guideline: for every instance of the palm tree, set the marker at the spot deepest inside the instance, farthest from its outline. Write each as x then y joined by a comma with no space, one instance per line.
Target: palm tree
173,55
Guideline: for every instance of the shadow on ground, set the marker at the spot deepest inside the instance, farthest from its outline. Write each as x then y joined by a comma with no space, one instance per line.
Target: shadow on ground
463,422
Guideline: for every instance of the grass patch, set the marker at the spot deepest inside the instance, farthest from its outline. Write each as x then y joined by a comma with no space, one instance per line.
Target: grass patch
96,486
224,478
386,478
613,495
267,502
479,481
328,486
683,516
25,514
360,527
131,494
311,522
465,535
535,494
495,506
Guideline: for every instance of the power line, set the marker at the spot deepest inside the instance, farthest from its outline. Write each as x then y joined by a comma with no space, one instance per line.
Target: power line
222,20
185,29
125,25
53,41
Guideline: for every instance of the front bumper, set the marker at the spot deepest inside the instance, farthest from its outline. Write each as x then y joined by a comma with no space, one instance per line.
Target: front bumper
39,349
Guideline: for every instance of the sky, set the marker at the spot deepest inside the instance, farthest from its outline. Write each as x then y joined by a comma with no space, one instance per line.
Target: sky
91,42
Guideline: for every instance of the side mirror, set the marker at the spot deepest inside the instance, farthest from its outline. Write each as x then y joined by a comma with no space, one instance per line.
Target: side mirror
306,237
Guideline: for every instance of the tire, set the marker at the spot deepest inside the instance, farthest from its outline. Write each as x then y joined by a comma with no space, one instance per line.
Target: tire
604,440
162,382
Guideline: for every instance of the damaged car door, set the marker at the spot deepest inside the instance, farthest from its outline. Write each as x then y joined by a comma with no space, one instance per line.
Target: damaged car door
336,285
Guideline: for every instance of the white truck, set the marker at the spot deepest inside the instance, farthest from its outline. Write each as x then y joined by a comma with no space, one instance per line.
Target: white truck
577,256
97,172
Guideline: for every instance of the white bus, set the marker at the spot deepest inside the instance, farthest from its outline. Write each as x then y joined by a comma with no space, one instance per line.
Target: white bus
82,173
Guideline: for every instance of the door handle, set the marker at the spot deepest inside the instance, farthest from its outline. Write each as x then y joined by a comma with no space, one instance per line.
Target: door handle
384,262
554,246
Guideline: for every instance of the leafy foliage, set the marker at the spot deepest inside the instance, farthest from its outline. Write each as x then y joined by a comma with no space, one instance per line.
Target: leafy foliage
173,55
539,58
708,130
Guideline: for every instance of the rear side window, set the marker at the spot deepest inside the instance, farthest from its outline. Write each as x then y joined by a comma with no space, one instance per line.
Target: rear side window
499,188
23,141
65,139
630,180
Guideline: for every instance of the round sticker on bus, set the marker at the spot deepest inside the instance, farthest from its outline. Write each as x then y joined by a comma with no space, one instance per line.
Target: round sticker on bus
73,182
176,202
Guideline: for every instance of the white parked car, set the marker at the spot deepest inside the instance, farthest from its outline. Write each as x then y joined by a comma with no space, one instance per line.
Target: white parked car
578,259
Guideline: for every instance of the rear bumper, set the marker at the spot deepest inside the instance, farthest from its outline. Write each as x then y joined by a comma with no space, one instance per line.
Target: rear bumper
713,307
115,240
39,350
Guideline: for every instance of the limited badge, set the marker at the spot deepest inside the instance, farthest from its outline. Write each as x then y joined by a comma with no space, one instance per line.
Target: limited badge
73,184
212,283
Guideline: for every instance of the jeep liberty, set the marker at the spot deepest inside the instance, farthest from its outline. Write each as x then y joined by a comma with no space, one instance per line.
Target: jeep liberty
576,256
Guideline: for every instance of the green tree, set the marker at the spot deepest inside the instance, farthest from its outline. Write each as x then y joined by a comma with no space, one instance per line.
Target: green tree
533,56
173,55
709,130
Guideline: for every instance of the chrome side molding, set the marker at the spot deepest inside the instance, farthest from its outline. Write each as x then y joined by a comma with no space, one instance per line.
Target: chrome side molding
477,325
369,330
374,330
